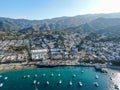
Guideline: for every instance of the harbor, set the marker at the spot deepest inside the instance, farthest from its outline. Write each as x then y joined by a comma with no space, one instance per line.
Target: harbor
62,78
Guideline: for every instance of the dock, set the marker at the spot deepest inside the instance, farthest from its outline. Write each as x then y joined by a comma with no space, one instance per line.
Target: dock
101,68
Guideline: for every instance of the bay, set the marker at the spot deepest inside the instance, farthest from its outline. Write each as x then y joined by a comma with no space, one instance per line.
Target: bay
85,75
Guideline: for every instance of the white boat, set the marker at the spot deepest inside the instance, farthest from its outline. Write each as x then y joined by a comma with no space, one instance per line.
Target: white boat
35,75
82,71
0,76
110,78
96,84
96,76
34,82
24,76
74,75
52,75
59,75
36,89
38,83
70,83
6,78
44,75
28,76
47,83
1,84
60,81
80,84
116,87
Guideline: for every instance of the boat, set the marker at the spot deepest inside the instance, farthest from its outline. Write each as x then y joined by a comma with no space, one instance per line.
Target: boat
110,78
1,84
96,84
60,81
44,75
28,76
82,71
70,83
0,76
6,78
74,75
80,84
35,75
96,76
59,75
116,87
52,75
34,82
47,83
24,76
38,83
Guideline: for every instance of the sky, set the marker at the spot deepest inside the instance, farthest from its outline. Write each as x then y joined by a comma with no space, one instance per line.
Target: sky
46,9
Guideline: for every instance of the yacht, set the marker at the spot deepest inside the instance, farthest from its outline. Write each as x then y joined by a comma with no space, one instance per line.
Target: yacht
38,83
34,82
28,76
6,78
1,84
0,76
52,75
110,78
74,75
96,84
59,75
116,87
35,75
60,81
47,83
70,83
44,75
80,84
82,71
96,76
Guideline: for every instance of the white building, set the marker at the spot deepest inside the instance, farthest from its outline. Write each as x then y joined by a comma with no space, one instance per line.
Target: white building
39,54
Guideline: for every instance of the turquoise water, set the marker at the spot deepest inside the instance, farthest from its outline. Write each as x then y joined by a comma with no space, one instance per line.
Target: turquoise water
16,81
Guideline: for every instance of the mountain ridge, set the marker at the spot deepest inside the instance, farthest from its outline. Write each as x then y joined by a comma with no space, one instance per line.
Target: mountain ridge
61,23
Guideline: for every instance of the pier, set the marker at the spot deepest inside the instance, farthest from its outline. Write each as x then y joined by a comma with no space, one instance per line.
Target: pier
101,68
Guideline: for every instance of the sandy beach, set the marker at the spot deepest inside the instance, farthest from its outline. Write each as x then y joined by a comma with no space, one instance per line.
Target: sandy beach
14,66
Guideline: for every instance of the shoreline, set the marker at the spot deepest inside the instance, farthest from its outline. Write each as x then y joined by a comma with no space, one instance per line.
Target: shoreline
17,66
14,67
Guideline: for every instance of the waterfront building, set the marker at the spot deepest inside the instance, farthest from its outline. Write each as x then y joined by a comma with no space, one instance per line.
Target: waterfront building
39,54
